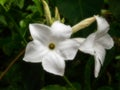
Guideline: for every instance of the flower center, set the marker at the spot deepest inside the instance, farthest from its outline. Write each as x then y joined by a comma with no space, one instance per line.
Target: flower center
51,46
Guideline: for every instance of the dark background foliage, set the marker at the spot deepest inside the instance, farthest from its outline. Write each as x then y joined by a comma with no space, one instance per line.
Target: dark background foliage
15,16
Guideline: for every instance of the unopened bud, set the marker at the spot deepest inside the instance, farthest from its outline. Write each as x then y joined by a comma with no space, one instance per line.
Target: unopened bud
57,15
47,12
83,24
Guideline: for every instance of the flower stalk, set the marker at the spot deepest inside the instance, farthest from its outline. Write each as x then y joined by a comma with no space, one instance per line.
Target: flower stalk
68,82
11,64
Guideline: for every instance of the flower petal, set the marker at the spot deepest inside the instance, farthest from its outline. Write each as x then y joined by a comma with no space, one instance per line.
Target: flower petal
99,53
40,32
88,44
99,58
97,68
106,41
102,24
35,52
80,40
61,30
53,63
68,48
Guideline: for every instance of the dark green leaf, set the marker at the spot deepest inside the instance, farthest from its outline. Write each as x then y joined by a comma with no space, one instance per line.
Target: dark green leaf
87,74
3,20
77,10
115,8
54,87
105,88
58,87
20,3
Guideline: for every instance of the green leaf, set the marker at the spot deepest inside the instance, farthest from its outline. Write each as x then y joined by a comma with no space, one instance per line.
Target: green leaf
9,3
117,57
76,10
3,20
32,8
6,45
13,79
38,6
105,88
54,87
88,71
115,8
20,3
8,48
2,2
58,87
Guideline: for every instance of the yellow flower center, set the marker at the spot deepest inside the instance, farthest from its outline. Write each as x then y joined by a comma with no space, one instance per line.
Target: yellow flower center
51,46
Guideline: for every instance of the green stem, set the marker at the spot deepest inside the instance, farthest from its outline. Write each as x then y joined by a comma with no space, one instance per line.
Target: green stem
12,63
68,82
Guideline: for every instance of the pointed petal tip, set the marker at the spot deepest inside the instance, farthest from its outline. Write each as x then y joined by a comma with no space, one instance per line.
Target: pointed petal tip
111,44
96,75
97,70
30,60
53,63
30,25
53,72
25,59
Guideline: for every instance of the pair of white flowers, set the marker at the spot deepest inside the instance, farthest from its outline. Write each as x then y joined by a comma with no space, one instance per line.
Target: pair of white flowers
52,45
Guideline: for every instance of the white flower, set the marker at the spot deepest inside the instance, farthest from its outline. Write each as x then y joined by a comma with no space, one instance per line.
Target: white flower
96,43
51,46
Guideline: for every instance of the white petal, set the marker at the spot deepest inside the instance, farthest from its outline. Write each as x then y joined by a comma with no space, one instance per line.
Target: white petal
99,53
35,52
68,48
88,45
97,68
40,32
106,41
102,24
99,58
61,30
54,64
80,40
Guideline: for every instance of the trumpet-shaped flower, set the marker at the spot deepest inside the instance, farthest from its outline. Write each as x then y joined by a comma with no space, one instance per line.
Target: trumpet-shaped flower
51,46
96,43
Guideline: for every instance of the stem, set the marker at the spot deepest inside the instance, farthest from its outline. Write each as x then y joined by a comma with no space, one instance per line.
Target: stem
68,82
10,65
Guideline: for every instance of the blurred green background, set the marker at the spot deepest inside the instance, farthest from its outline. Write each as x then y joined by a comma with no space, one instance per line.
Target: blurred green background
15,16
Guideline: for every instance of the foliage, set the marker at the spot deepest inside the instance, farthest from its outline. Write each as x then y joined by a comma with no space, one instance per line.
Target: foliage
15,16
